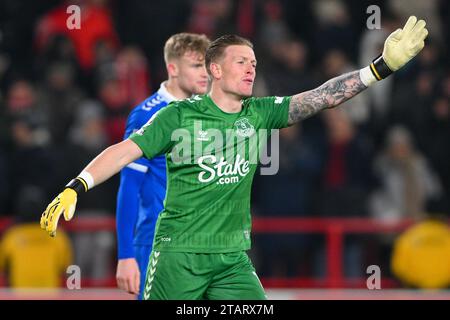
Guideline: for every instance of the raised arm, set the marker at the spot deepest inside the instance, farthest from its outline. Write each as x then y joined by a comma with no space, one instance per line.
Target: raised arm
331,94
400,47
103,167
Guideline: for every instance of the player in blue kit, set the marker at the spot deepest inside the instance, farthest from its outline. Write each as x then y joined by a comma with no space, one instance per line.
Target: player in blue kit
143,182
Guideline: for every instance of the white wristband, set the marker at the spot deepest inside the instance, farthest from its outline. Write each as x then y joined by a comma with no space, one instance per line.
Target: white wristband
86,176
367,76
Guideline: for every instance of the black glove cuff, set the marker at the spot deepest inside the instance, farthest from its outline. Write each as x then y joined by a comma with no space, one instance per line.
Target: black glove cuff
78,184
380,69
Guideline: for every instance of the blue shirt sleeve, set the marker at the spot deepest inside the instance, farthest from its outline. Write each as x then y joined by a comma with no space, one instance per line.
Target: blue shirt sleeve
127,210
128,194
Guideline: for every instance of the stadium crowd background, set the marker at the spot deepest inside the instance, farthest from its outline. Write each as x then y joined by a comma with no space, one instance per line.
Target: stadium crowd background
65,96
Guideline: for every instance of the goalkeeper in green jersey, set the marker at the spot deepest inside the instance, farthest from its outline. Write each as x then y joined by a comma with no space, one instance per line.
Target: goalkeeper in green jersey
203,232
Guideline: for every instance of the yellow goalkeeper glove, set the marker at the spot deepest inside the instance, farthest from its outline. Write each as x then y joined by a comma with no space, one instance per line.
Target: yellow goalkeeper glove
64,203
400,47
404,44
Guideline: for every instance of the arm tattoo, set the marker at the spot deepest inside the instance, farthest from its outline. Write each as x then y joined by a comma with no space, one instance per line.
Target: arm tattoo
329,95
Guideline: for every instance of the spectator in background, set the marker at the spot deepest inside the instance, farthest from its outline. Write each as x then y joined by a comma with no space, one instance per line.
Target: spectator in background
32,161
246,18
148,24
58,50
115,103
29,258
22,102
273,34
59,98
212,18
21,98
346,172
272,28
334,28
96,24
406,183
122,81
129,67
301,21
132,72
288,70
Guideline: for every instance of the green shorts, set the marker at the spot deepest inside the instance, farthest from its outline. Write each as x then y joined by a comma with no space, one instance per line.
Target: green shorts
194,276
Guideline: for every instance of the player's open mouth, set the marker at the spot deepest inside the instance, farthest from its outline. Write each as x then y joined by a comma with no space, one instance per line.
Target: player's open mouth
249,81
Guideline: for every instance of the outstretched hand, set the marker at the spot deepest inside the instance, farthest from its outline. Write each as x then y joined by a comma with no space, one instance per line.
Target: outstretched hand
64,203
404,44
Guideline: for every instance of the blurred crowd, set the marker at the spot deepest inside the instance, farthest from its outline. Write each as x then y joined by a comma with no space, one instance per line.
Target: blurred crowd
65,95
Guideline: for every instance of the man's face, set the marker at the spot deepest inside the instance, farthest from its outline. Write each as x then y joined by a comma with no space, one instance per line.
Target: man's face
238,70
192,75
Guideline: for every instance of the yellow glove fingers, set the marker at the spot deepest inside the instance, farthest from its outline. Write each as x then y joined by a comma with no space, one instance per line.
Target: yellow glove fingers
70,200
43,217
409,24
418,27
68,214
53,219
50,213
63,204
400,47
420,43
52,229
423,35
45,214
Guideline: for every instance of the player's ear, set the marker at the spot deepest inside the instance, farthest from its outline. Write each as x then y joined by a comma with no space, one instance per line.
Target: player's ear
216,70
172,69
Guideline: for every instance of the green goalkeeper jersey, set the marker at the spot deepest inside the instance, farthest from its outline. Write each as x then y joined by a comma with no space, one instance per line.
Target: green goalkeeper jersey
211,158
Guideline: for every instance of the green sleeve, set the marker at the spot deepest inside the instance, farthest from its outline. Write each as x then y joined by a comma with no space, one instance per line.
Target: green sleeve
274,111
154,138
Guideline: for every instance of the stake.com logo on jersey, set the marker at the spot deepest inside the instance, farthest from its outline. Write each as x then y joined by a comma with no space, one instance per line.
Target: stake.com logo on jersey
226,155
228,173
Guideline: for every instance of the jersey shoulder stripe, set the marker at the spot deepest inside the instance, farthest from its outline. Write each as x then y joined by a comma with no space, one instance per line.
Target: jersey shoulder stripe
153,101
194,103
143,112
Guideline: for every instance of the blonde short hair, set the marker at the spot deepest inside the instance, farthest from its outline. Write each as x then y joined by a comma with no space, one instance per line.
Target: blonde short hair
178,44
